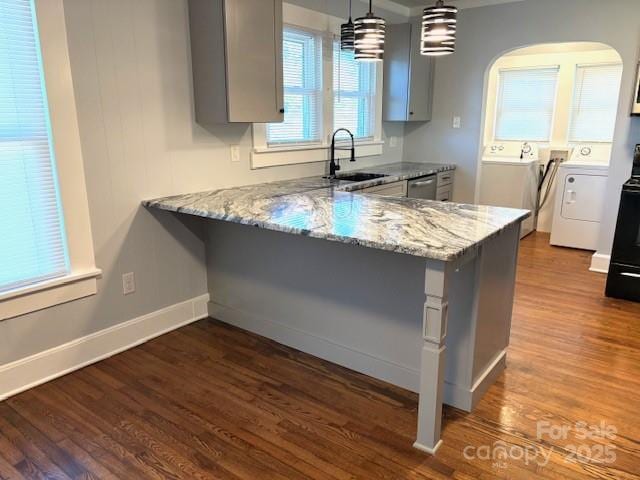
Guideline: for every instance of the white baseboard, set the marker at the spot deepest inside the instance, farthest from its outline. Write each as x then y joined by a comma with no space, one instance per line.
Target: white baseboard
26,373
600,263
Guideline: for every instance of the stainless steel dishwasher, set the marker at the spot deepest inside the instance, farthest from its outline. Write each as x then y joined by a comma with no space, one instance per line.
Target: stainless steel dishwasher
423,187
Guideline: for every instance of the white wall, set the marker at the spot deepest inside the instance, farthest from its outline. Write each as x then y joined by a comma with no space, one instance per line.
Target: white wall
131,71
484,34
567,63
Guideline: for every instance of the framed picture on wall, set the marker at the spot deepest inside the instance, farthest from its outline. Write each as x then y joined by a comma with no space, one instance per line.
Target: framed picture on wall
635,109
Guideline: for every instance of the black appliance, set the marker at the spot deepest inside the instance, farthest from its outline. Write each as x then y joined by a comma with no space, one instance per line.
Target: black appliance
624,272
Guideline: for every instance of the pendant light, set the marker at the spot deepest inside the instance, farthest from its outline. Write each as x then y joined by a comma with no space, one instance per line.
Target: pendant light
439,30
369,37
347,34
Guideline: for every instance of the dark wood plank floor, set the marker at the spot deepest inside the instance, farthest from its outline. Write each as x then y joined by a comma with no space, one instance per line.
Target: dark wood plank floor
211,401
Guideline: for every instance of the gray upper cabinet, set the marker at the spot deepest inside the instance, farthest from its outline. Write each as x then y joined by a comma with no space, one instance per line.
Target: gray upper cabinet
236,51
408,76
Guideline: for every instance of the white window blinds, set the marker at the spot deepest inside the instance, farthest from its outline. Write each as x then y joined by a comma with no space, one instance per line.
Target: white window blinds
32,241
302,66
354,90
595,103
525,104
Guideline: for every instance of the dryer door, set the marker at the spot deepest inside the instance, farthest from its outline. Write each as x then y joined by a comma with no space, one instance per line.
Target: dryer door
582,197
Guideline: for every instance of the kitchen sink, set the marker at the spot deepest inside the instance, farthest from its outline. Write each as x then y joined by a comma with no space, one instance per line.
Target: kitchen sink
360,177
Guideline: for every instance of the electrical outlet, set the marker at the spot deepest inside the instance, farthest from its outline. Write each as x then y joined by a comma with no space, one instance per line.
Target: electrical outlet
559,156
393,142
128,283
457,122
235,153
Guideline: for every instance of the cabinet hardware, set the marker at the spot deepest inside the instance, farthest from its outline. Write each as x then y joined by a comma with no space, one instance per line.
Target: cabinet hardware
421,184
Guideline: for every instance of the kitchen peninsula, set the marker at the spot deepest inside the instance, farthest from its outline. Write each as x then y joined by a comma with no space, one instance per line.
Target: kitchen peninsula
386,286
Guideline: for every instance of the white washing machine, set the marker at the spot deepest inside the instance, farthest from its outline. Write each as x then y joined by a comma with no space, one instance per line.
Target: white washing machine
580,191
509,178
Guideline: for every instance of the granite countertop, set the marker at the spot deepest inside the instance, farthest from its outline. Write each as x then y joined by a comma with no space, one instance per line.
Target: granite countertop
323,208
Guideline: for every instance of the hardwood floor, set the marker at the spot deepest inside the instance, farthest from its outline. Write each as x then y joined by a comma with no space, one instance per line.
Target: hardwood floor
212,401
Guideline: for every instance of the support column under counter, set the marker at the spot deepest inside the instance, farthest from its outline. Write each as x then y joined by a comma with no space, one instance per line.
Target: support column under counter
442,333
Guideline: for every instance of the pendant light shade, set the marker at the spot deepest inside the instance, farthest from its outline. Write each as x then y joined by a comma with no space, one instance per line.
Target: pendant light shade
347,34
439,25
369,37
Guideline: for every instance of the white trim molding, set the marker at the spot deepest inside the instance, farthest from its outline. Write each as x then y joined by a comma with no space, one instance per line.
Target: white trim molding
81,280
45,366
46,294
600,263
272,157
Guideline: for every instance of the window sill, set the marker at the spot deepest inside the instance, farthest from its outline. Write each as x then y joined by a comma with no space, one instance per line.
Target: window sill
262,157
48,294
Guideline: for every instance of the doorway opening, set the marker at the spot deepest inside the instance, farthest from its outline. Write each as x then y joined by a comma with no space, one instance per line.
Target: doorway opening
550,117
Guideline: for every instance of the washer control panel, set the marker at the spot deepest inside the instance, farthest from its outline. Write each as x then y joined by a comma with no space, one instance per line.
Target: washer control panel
515,150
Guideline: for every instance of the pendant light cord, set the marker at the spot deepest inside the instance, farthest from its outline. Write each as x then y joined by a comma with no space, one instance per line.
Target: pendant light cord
371,6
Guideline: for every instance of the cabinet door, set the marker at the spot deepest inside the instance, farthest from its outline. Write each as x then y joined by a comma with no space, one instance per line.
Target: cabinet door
444,194
445,178
253,33
420,80
395,189
395,106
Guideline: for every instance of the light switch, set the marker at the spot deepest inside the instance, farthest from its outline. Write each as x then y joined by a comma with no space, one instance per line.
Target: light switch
235,153
128,283
457,122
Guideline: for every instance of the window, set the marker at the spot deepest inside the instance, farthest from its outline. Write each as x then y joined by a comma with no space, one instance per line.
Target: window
324,89
525,105
595,103
46,249
302,68
33,244
354,90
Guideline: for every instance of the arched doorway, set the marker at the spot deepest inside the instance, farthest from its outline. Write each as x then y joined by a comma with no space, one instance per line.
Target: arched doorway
542,104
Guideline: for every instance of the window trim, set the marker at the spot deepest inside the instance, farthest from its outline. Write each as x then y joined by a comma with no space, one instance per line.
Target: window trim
335,42
81,280
554,110
320,92
263,155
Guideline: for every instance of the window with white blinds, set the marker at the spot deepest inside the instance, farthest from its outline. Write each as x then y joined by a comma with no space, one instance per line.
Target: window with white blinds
354,90
302,68
525,104
595,103
32,243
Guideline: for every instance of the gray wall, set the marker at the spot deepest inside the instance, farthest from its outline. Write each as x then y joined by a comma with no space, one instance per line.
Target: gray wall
130,65
486,33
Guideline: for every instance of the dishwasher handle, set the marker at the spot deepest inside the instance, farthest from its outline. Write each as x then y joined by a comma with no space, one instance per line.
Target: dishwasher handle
422,183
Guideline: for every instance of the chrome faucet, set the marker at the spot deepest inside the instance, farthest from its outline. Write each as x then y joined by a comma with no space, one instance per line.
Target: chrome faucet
333,166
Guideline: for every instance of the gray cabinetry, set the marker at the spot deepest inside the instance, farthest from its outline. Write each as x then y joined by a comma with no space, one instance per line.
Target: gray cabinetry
394,189
236,50
445,186
408,76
